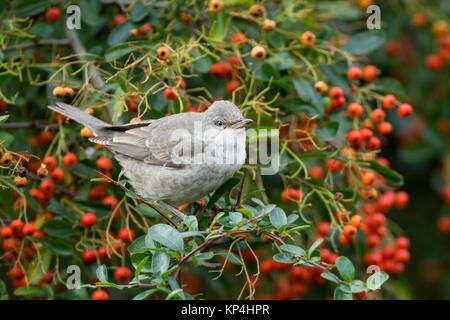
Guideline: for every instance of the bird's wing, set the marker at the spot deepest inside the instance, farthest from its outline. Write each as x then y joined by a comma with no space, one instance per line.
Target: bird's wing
152,143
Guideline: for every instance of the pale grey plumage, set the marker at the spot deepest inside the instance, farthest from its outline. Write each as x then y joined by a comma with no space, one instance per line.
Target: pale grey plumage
146,149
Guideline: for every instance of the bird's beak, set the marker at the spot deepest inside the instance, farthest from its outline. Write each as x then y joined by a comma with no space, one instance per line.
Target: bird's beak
241,123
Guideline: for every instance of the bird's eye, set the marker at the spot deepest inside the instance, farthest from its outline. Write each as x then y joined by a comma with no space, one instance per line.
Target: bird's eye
219,123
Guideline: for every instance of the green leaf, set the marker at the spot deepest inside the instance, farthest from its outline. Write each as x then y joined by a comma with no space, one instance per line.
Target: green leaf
120,33
327,132
167,236
109,284
218,23
278,218
139,245
29,292
365,42
39,266
57,246
315,245
89,14
7,139
343,292
330,276
140,11
358,286
390,175
145,294
390,86
59,228
2,287
345,268
283,258
120,50
235,217
304,89
225,188
293,249
275,40
140,266
160,262
48,290
376,280
298,228
102,273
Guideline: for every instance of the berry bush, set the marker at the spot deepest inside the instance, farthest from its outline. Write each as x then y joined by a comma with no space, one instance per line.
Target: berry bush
342,98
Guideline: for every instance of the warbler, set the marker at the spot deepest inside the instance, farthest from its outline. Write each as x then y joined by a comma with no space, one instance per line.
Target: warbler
179,158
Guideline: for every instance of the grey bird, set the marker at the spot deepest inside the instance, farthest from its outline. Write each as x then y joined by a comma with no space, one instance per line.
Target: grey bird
178,158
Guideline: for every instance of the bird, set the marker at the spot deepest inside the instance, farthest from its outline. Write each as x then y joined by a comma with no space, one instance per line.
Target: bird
176,159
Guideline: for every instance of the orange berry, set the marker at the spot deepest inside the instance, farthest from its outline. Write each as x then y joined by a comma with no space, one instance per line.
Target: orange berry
350,231
378,115
384,128
70,160
354,110
99,294
389,101
308,39
355,220
368,178
404,110
354,74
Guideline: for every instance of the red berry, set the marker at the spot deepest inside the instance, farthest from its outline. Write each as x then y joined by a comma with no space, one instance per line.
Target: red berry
119,19
70,160
354,74
445,193
126,235
6,232
384,128
16,272
28,229
57,175
354,139
402,243
52,14
354,110
404,110
171,93
389,101
89,256
231,86
234,60
122,274
316,172
373,144
323,228
50,162
402,255
366,134
104,164
373,240
110,201
88,220
237,38
220,70
401,199
335,93
378,115
99,294
443,224
16,226
102,252
47,187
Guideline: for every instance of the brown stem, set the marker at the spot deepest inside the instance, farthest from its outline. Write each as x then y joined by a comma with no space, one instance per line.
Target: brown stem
151,205
241,188
38,43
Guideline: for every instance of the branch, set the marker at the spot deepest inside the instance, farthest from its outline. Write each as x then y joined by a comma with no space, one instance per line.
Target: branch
38,43
151,205
30,124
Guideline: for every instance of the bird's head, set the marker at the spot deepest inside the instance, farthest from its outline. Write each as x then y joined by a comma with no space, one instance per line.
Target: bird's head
224,115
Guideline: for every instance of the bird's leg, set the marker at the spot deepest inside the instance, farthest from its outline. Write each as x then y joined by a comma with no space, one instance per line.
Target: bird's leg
175,211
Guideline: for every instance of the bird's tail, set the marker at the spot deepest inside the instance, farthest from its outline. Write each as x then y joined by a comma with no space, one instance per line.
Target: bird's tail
96,126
